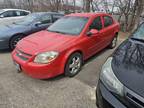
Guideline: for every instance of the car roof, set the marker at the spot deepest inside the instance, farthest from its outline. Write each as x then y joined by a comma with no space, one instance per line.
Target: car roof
15,9
41,13
45,13
88,14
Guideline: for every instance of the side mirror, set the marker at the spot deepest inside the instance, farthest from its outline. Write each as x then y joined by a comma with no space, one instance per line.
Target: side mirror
38,23
1,16
92,32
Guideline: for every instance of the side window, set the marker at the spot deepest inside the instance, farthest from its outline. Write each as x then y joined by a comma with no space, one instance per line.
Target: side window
107,21
97,24
56,17
45,19
23,13
18,13
10,14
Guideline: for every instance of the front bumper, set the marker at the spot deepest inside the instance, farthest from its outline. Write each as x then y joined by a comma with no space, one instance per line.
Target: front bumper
39,71
106,99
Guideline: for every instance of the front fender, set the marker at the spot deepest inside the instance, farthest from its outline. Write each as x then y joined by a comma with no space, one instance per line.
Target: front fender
68,53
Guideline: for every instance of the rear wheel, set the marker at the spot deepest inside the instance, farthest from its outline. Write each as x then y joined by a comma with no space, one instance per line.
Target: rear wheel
114,42
14,41
73,65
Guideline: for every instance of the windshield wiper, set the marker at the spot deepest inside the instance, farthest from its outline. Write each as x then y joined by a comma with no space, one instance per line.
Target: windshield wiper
57,32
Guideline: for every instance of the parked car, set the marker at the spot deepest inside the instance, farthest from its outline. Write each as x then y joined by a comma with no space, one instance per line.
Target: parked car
11,34
7,16
65,45
122,75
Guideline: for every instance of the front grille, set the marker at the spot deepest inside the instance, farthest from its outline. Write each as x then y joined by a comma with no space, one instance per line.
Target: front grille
135,99
22,55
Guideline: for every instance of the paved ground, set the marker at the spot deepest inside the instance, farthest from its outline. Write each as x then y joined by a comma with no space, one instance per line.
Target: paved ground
21,91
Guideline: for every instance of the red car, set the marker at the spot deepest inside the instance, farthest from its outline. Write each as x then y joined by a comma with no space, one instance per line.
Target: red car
65,45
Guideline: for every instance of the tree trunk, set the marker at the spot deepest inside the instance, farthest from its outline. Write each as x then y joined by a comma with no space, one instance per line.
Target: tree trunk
74,3
140,9
87,5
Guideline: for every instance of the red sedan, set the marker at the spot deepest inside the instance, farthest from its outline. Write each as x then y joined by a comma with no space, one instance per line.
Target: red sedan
65,45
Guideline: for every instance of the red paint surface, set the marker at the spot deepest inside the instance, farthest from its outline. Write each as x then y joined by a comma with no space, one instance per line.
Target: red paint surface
45,41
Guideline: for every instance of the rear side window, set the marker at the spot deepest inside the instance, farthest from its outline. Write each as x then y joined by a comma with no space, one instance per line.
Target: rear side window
97,24
23,13
45,19
107,21
56,17
18,13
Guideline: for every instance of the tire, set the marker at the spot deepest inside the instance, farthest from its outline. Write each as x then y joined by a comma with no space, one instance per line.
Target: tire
113,43
73,65
14,41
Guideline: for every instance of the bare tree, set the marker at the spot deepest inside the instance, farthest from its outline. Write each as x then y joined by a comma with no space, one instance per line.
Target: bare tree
137,12
87,4
74,4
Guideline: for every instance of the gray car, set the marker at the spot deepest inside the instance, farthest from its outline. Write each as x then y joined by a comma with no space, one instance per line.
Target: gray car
11,34
8,16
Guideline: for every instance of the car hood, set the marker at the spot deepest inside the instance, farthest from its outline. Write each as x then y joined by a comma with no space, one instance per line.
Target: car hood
128,65
45,41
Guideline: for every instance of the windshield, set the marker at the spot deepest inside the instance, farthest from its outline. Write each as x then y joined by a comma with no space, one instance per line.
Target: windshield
139,33
27,20
69,25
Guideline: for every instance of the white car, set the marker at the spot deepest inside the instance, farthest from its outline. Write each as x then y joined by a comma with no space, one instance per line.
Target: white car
8,16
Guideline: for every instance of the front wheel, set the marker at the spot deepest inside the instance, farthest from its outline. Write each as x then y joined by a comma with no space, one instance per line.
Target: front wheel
73,65
14,41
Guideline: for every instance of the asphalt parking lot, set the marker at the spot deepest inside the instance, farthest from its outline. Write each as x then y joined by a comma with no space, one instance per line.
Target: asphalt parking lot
17,90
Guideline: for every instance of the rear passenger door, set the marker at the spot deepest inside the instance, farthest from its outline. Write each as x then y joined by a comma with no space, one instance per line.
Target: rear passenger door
17,16
108,30
94,41
42,23
46,21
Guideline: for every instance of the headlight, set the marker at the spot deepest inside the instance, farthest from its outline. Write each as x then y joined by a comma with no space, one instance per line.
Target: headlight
46,57
109,79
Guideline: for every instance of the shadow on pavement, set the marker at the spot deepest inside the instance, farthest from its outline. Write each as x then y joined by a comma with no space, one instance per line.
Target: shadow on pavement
5,51
96,55
55,78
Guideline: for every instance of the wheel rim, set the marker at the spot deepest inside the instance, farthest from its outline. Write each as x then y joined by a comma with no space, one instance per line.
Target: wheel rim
75,65
14,43
114,42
